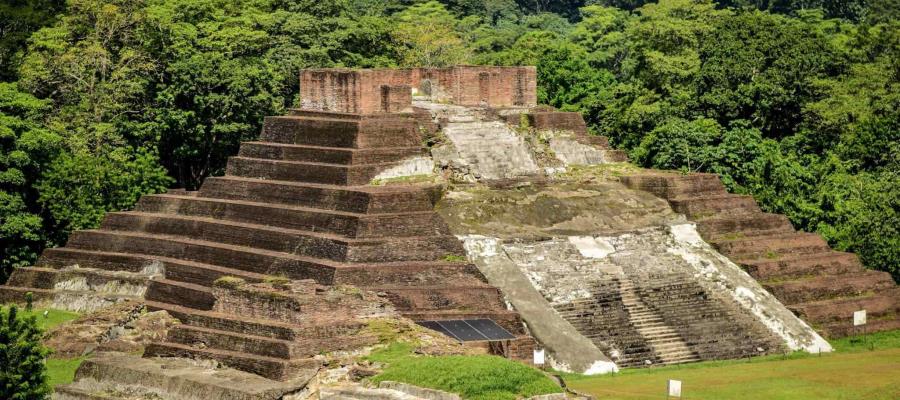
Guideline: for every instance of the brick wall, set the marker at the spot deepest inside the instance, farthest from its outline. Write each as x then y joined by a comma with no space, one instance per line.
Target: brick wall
363,91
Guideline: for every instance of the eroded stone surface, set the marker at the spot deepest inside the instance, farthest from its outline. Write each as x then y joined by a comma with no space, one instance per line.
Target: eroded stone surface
126,327
547,210
117,375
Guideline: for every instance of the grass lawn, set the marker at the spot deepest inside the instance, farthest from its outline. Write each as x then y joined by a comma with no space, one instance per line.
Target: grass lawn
864,371
59,371
474,377
53,318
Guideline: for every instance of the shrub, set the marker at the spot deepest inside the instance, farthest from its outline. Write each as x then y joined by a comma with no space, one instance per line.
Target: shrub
23,375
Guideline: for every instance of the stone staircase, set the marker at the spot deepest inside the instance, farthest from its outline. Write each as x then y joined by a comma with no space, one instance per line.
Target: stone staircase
666,343
295,204
820,285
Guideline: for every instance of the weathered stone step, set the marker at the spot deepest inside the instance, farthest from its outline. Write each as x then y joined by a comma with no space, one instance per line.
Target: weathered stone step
71,300
230,256
360,393
419,223
408,273
795,266
665,345
359,199
320,154
189,335
81,279
177,379
265,262
882,303
661,332
321,329
179,270
683,359
274,368
744,224
65,392
780,245
448,297
182,293
305,243
304,171
332,132
17,294
672,185
509,320
33,277
830,287
698,207
299,112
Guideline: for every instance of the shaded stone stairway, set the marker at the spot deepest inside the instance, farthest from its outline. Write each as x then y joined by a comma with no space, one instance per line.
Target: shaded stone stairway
822,286
666,343
295,204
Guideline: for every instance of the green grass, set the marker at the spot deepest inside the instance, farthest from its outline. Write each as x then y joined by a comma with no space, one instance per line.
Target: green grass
473,377
856,370
62,371
52,319
874,341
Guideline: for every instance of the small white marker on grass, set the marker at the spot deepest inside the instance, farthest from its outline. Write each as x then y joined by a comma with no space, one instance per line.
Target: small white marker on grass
674,389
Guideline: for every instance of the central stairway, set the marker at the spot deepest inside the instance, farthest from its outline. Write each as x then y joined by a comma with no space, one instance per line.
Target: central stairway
296,204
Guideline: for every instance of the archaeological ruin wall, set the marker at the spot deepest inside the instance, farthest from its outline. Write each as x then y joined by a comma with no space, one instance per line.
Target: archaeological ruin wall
390,90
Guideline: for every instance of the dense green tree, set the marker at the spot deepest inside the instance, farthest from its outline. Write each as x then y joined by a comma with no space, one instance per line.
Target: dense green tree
25,149
426,35
18,19
23,376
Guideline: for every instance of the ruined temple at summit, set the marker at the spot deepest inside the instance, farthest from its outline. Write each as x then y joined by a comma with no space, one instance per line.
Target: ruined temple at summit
449,194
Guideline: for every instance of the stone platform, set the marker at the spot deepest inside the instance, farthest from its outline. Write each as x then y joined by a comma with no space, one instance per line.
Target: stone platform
296,205
822,286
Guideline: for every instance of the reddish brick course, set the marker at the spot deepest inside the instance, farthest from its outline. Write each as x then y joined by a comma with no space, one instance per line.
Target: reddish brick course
369,91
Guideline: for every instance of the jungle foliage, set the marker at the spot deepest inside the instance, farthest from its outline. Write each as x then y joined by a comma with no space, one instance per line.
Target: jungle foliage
794,102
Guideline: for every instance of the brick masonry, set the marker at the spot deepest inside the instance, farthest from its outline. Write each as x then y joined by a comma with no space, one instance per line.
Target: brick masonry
368,91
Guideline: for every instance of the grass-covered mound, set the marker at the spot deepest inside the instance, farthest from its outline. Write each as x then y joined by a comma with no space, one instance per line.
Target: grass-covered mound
478,377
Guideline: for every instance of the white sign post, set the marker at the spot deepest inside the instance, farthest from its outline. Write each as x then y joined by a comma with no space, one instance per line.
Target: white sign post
859,318
539,357
674,389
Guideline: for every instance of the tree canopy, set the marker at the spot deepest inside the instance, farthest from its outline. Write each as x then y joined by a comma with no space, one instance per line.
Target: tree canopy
794,102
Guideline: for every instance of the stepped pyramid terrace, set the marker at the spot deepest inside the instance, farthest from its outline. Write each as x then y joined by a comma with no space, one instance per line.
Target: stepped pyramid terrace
447,195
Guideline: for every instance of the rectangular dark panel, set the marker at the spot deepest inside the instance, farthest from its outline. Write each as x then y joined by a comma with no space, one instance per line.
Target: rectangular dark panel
462,330
433,325
490,329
